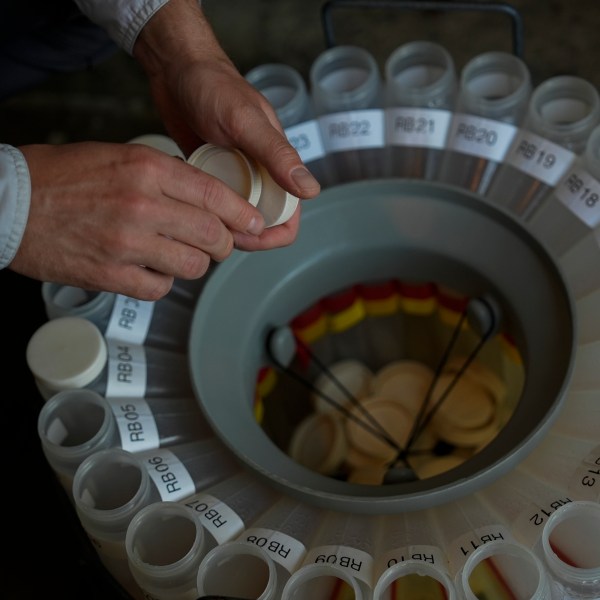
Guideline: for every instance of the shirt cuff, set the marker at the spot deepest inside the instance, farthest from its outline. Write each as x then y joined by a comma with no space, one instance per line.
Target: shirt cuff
15,198
122,19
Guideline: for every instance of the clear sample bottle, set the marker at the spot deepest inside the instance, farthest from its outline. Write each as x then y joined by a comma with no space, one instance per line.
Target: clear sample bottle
249,179
484,555
494,90
71,353
111,486
562,113
166,541
410,557
420,88
285,88
572,210
341,553
571,549
162,324
347,93
74,424
578,262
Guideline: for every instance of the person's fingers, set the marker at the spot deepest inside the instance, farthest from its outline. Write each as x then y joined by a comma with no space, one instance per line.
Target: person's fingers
272,237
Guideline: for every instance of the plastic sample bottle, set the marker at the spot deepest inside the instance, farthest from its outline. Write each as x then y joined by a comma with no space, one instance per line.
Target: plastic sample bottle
571,549
347,94
409,545
284,87
161,324
71,353
111,486
249,179
572,210
562,113
568,463
420,88
484,554
494,91
167,541
576,262
74,424
342,550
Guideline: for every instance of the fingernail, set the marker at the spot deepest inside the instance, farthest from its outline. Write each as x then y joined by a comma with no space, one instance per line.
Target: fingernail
303,178
256,226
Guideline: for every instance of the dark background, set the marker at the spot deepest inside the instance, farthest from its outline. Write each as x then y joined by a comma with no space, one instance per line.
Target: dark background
47,551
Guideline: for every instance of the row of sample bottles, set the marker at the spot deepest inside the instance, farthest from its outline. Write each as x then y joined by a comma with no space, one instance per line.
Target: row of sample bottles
172,515
531,150
182,520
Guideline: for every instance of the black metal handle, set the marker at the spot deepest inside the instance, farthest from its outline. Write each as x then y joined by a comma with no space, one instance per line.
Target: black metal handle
424,5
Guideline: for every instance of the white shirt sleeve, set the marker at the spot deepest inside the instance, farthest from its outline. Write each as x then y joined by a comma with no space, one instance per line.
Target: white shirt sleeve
15,196
122,19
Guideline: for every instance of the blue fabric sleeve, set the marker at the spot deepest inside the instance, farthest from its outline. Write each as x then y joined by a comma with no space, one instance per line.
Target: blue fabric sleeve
15,197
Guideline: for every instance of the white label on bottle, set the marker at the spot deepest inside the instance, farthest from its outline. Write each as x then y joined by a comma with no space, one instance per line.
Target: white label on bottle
579,191
127,368
530,523
130,319
354,562
459,550
282,548
538,157
428,554
168,474
221,521
481,137
136,424
306,139
418,127
353,130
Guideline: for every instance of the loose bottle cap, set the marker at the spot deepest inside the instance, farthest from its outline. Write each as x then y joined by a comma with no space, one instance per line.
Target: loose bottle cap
392,416
232,167
319,443
66,353
348,374
275,204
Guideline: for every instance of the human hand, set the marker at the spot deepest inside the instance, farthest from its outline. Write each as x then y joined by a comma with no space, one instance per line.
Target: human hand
129,219
202,97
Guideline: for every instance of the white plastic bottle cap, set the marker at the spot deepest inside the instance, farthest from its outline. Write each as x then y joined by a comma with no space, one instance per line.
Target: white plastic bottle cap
392,416
319,442
159,142
66,353
232,167
436,465
276,205
480,373
467,405
353,376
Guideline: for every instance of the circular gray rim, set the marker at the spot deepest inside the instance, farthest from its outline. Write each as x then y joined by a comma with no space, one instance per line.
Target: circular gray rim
366,231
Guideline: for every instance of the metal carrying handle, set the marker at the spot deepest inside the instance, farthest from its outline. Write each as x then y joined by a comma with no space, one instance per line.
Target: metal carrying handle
423,5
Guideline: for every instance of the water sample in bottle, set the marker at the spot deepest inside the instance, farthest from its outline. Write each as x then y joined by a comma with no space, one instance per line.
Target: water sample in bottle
572,210
493,94
71,353
74,424
285,88
162,324
347,93
420,89
562,113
